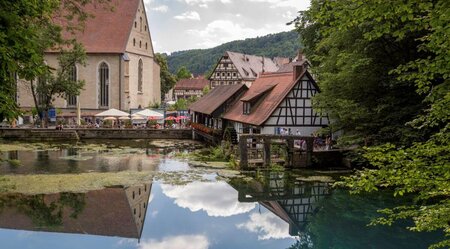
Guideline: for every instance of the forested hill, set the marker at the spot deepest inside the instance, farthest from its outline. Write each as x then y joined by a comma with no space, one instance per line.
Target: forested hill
199,61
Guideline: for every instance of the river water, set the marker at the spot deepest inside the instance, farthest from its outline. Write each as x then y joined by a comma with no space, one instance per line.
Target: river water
176,204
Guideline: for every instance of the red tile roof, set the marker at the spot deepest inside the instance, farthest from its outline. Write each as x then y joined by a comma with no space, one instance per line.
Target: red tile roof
215,98
108,31
280,85
191,84
290,66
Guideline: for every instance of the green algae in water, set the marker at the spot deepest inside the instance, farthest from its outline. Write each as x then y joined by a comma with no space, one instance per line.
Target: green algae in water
76,183
77,158
326,179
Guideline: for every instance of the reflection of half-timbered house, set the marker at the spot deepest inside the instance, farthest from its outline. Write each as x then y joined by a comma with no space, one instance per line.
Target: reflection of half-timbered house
293,203
278,103
236,68
208,111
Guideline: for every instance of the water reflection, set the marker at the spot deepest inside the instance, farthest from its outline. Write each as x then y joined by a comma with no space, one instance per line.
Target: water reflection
291,200
118,211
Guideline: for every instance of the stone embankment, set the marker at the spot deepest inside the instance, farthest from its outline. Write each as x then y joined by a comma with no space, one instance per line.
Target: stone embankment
77,134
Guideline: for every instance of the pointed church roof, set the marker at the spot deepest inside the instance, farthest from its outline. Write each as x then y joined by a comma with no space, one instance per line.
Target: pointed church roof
109,28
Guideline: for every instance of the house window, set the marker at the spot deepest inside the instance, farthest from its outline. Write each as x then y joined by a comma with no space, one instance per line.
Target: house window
234,74
134,42
217,74
146,46
72,99
140,24
246,110
103,76
140,68
140,44
223,74
228,74
135,24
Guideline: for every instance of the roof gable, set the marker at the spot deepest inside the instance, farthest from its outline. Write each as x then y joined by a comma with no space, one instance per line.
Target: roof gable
108,30
249,66
281,84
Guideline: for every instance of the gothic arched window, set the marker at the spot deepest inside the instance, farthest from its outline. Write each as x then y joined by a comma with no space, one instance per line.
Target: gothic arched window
140,71
72,99
103,84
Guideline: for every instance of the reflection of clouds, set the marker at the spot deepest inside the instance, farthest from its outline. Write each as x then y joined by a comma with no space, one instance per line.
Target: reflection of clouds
124,241
25,234
215,198
150,199
267,226
176,242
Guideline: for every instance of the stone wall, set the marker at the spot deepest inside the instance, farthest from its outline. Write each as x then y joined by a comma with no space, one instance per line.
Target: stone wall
75,134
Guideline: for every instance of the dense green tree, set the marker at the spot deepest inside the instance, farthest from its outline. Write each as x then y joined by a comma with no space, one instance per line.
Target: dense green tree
57,82
183,73
345,40
168,80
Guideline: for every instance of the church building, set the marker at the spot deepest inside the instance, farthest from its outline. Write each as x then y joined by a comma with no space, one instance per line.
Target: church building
120,71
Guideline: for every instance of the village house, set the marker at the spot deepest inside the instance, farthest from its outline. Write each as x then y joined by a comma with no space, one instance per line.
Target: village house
278,103
186,88
236,68
207,112
120,71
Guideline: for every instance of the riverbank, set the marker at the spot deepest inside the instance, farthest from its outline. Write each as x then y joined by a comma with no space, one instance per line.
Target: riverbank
94,133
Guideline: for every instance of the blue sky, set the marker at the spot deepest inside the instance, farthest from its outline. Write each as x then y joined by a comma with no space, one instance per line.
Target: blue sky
187,24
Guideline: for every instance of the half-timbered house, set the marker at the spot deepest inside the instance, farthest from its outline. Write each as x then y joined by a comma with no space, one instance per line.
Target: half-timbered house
278,103
186,88
236,68
207,112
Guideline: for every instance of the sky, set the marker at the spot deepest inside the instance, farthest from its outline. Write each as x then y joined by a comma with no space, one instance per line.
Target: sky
189,24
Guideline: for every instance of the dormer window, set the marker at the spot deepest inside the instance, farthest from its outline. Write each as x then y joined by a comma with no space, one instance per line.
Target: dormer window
246,109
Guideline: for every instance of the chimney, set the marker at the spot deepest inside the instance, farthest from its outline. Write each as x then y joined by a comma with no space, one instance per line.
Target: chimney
300,55
263,64
298,70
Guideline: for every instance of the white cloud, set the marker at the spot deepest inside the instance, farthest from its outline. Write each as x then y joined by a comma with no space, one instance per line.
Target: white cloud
267,226
289,15
161,8
176,242
190,15
221,31
204,2
217,199
297,4
146,2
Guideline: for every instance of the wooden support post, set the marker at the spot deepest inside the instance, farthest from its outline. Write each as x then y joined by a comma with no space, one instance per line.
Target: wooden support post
243,152
290,152
266,155
309,151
